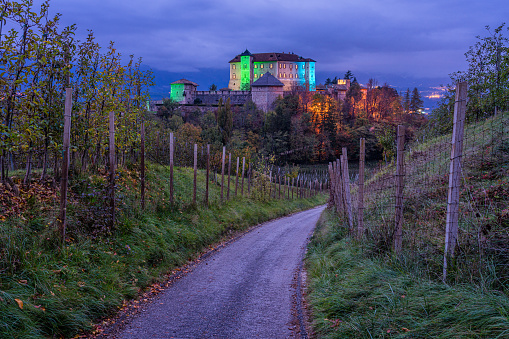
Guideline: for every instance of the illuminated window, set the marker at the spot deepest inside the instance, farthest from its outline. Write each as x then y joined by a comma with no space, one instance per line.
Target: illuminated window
303,66
280,65
256,76
280,75
261,66
270,65
234,76
233,66
284,75
256,66
296,76
284,66
291,75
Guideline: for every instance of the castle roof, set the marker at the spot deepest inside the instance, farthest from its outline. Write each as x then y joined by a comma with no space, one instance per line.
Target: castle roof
261,57
185,82
246,53
267,80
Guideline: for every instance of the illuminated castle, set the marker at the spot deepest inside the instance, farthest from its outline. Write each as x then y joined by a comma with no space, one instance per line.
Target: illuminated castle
261,78
292,70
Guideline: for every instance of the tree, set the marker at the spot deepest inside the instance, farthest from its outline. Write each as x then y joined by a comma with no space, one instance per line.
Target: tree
406,101
348,75
213,87
416,103
225,120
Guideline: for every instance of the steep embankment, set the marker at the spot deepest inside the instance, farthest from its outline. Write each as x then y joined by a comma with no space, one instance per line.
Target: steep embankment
361,289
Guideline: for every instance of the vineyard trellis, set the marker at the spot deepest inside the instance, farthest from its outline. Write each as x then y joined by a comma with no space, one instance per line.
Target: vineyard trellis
422,180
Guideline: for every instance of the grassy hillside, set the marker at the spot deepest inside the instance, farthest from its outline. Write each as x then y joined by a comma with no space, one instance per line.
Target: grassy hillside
361,289
49,291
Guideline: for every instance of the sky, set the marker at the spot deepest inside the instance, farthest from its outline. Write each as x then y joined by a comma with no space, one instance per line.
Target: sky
404,43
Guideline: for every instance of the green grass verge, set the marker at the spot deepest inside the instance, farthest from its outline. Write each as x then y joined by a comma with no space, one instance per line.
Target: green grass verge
49,291
354,295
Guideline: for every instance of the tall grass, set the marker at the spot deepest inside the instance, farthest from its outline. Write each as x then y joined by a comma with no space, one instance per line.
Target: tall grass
47,290
354,295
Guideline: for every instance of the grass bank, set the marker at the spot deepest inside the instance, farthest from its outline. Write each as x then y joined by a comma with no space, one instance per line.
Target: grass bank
47,290
355,295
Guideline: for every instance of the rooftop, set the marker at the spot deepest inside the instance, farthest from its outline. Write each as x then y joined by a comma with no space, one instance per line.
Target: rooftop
267,80
260,57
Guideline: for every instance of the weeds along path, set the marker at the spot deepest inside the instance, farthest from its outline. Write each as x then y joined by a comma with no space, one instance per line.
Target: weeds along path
243,291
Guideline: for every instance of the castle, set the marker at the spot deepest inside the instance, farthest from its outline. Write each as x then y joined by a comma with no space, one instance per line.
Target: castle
290,69
260,77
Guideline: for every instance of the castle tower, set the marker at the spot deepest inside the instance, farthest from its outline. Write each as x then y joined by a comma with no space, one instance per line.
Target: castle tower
245,71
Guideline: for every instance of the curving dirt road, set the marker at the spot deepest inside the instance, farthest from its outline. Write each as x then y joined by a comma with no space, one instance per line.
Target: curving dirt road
245,290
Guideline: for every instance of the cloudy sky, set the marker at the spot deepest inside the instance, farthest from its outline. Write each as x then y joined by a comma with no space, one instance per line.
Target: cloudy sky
406,43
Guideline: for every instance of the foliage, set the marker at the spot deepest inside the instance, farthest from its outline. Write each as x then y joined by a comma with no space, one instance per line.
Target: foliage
63,290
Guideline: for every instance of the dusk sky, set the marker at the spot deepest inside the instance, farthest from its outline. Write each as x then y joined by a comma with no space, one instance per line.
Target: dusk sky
404,43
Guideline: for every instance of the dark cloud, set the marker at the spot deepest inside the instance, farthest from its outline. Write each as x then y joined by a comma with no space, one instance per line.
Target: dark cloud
400,37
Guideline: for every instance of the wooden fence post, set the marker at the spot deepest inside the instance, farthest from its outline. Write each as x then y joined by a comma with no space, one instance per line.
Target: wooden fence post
112,168
229,170
195,172
65,164
207,176
237,177
400,176
171,168
451,227
222,172
346,184
142,169
243,168
360,212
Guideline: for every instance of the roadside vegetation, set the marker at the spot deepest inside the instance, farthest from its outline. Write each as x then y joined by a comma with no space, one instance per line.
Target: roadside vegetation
362,288
51,291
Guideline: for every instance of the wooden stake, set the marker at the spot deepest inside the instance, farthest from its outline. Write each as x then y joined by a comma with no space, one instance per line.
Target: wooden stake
400,176
195,172
237,177
207,176
243,167
229,170
112,169
360,212
65,164
451,227
346,184
142,165
222,172
171,168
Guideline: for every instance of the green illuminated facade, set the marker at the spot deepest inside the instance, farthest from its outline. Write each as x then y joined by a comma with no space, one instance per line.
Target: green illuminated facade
292,70
182,91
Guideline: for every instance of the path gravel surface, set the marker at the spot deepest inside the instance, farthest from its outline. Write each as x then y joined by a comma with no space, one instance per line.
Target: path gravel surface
245,290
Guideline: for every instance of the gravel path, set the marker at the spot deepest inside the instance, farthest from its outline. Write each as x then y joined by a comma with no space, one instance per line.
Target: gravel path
245,290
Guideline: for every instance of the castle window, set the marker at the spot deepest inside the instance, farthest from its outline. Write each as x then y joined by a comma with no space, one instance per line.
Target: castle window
256,66
280,66
303,66
291,66
261,66
234,66
296,76
270,66
256,76
284,65
291,75
234,76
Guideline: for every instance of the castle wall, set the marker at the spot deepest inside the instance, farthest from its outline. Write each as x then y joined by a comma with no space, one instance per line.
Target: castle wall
212,97
264,97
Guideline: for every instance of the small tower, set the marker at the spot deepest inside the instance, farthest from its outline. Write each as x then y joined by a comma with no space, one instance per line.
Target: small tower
245,71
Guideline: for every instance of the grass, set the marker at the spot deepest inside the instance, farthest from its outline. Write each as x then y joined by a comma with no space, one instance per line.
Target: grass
357,296
361,289
47,290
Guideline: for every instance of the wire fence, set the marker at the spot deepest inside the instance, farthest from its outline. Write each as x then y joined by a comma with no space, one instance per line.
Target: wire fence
483,206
